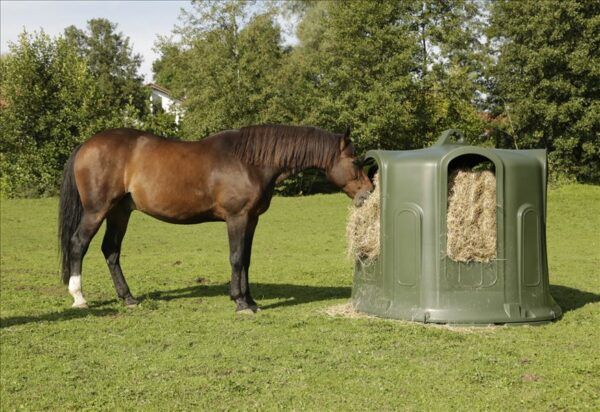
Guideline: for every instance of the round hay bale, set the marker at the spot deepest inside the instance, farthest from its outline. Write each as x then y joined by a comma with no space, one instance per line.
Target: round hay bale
471,216
362,231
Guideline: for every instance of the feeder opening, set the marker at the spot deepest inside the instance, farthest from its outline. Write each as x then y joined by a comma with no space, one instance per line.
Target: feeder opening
363,228
471,209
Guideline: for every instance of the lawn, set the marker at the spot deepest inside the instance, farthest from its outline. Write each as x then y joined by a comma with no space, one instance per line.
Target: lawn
184,347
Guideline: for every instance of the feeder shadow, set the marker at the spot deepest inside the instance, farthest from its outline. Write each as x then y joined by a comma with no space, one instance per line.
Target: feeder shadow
292,294
570,299
67,314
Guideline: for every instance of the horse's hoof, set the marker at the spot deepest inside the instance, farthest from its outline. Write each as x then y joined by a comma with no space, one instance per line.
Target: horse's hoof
131,302
255,308
246,311
83,305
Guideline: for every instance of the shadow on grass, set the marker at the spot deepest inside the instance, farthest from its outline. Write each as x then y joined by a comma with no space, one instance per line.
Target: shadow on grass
291,294
570,299
67,314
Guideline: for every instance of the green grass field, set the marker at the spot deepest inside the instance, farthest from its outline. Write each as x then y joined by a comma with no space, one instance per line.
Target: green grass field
184,348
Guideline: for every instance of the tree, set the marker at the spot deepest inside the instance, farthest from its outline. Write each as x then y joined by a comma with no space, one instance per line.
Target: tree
170,69
547,80
52,100
114,67
397,72
452,61
47,96
224,67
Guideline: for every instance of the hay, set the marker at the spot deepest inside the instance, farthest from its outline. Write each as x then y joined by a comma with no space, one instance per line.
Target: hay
471,216
346,310
362,231
471,219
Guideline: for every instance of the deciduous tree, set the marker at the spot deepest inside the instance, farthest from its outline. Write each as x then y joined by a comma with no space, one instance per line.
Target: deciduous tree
547,79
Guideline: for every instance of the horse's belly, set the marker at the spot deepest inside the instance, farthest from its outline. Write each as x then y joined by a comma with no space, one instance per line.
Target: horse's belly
174,203
184,219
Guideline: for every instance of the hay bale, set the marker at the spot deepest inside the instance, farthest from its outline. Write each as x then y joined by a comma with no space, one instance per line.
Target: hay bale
471,216
362,231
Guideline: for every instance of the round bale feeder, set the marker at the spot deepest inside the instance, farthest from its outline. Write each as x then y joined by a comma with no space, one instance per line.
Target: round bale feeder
425,271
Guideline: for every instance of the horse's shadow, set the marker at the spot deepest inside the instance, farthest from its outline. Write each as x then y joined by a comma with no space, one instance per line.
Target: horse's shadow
67,314
289,295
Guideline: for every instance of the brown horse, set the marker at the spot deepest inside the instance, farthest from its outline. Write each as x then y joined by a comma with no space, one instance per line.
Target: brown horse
229,176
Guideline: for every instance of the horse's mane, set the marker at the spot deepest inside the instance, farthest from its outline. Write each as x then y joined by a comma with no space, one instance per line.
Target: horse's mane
291,147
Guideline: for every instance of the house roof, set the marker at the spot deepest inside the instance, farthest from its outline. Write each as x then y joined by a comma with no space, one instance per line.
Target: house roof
156,87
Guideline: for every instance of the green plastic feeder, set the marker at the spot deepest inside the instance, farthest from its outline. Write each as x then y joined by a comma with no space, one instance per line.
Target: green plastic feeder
413,279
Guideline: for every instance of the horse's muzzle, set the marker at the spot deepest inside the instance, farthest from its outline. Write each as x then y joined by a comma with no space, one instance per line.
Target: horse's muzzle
360,198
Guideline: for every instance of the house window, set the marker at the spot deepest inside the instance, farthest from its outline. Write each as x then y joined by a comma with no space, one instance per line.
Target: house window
157,106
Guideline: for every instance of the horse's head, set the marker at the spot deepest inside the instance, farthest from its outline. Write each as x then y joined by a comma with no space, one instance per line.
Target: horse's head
347,172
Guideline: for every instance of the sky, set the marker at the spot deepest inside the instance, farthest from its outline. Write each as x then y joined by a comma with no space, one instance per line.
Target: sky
141,20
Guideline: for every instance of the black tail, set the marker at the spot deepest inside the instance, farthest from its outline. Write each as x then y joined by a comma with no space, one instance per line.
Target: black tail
69,214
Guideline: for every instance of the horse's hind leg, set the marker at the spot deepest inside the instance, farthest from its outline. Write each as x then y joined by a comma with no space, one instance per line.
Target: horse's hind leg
116,226
88,226
244,281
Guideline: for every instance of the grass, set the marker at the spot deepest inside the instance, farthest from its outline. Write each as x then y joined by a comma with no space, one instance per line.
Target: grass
184,348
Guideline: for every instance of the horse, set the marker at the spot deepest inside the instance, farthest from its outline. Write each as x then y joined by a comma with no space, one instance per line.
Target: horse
229,176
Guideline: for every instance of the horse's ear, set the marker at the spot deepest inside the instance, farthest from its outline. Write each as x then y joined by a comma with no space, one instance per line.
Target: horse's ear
345,140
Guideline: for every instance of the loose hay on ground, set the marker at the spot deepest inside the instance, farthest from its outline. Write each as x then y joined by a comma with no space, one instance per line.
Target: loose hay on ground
347,311
362,231
471,216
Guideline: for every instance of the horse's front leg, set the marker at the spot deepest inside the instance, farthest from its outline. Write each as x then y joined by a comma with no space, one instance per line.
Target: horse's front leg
237,228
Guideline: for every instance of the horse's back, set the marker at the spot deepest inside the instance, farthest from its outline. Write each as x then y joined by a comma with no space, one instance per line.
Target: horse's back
176,181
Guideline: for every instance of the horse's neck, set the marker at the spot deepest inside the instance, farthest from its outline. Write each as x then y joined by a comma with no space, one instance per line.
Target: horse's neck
283,173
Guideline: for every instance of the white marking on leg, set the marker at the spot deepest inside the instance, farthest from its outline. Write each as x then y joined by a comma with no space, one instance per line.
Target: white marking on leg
75,291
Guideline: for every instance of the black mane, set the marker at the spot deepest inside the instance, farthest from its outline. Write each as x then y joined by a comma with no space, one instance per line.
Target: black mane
290,147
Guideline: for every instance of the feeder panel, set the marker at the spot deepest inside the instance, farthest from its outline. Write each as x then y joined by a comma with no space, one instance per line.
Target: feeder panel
413,279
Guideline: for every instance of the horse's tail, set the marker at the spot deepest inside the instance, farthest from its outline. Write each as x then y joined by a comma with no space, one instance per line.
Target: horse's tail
69,214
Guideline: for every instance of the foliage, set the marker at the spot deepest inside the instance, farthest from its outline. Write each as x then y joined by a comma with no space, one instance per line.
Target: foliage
184,348
224,66
390,70
58,92
547,79
47,100
112,64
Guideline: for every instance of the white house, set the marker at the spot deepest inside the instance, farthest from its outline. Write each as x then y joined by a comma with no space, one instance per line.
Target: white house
161,98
